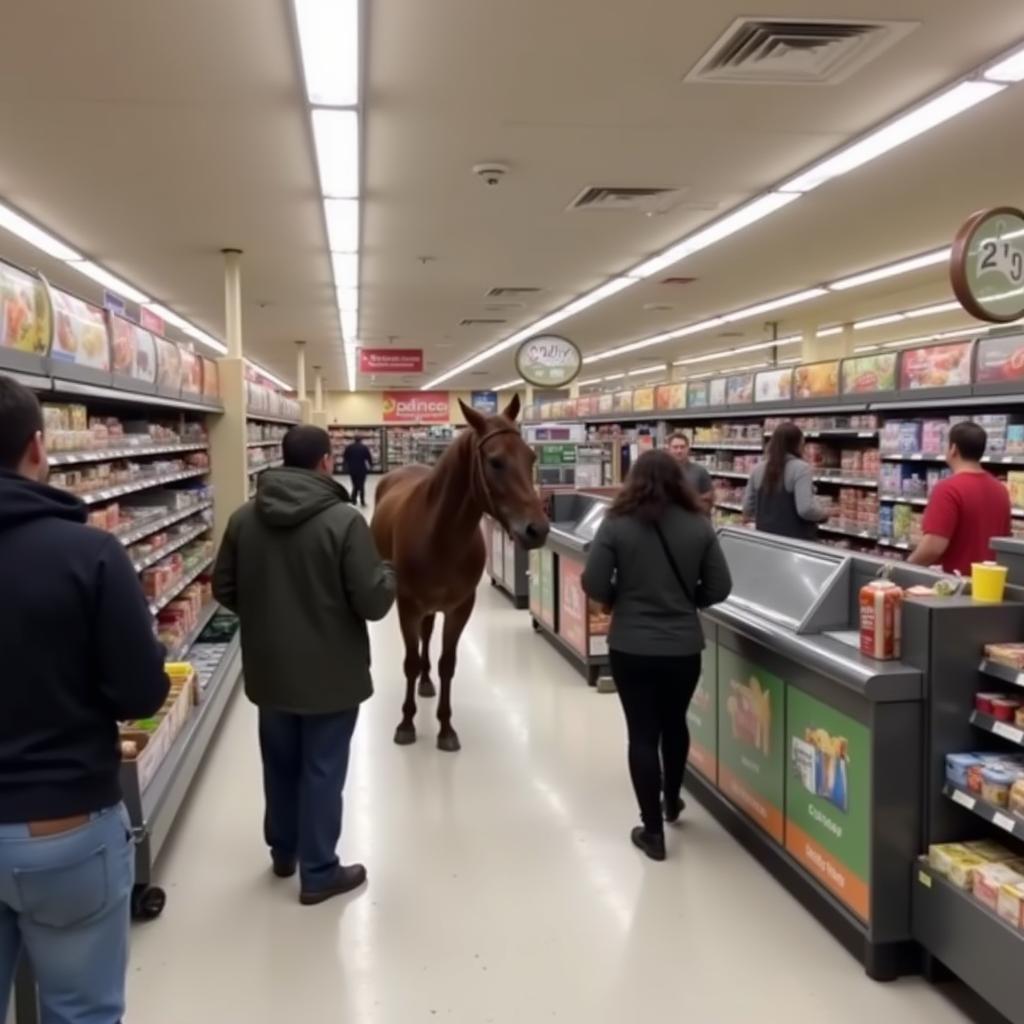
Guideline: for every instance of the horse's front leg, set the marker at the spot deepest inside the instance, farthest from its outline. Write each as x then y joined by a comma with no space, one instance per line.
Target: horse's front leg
454,623
410,619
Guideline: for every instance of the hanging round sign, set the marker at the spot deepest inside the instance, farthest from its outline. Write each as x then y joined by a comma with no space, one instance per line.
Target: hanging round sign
987,265
548,361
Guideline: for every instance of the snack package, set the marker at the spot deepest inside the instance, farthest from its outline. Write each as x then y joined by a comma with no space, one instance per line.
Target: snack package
990,878
942,855
1010,904
1006,654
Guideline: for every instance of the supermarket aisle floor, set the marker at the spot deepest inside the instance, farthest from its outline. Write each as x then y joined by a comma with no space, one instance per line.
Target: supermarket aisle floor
502,884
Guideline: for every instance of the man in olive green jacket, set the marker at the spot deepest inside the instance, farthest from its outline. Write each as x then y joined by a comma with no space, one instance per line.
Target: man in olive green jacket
299,566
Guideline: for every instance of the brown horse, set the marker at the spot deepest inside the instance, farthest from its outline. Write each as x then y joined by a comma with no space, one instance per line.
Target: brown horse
427,522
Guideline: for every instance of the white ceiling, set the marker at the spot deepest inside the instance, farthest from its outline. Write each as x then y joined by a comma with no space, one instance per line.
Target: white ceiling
150,135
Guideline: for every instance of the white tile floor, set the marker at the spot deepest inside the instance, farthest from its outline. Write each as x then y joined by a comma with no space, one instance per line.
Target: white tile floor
502,884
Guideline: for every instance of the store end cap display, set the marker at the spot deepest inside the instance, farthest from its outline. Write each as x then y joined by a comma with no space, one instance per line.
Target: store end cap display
548,360
25,321
987,265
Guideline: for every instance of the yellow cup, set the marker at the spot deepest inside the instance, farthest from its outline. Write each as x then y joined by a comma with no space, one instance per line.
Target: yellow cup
988,581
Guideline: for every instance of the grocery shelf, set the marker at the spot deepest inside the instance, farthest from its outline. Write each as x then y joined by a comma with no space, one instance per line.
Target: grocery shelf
1004,673
263,444
913,457
71,387
847,532
168,549
969,939
897,499
158,604
724,446
273,464
728,473
847,481
123,452
180,652
1004,730
143,530
1010,823
118,491
265,417
901,545
729,506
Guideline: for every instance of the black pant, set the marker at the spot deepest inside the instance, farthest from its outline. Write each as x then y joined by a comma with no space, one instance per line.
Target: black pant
655,693
358,488
305,761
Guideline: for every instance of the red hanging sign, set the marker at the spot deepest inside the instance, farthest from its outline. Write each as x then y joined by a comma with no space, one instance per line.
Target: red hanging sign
391,360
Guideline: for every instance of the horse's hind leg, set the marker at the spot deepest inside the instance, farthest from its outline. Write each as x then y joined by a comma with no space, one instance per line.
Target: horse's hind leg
454,623
426,632
410,622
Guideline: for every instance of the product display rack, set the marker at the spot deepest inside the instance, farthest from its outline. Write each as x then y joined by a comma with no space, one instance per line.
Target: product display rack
265,431
373,437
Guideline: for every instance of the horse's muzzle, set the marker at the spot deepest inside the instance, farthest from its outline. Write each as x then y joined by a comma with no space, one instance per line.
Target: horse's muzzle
531,534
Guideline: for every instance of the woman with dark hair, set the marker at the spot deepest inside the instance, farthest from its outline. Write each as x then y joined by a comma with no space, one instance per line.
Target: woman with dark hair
655,561
780,495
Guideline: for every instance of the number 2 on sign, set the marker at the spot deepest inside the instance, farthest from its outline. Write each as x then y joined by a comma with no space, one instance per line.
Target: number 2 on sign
1002,258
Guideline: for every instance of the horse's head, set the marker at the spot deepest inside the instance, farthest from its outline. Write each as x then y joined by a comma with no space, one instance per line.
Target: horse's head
503,472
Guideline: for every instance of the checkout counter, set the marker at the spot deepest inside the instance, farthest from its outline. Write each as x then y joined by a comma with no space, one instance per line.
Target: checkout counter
559,609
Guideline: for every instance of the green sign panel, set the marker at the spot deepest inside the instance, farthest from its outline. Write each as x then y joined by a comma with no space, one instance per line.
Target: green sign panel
557,454
702,718
828,798
751,747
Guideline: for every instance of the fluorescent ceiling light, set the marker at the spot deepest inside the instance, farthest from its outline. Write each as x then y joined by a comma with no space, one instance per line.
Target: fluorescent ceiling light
349,325
25,229
271,377
730,352
346,271
878,321
348,299
927,259
614,376
342,216
508,384
108,280
767,307
350,368
658,339
828,332
329,43
590,382
790,361
336,136
168,316
206,339
660,368
866,348
722,228
1010,69
915,122
942,307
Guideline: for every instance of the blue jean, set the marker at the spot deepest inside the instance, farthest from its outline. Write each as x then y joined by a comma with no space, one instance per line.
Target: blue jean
66,901
305,761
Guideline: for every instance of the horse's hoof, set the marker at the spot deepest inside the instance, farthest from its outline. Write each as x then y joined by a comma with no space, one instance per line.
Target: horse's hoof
427,687
405,735
448,742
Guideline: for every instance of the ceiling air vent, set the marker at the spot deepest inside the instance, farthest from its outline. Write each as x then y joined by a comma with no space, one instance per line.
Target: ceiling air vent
678,280
474,321
510,291
629,198
786,51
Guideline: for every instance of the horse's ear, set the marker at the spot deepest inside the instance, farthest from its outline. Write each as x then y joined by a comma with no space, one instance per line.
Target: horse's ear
511,411
475,419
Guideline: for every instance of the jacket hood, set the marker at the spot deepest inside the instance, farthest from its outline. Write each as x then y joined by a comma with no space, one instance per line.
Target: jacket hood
23,500
286,497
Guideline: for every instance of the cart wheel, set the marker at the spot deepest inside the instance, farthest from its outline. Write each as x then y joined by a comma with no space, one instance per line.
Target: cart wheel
148,902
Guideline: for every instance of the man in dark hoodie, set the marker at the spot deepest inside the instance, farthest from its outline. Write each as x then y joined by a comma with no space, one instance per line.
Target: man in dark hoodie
79,654
357,461
299,566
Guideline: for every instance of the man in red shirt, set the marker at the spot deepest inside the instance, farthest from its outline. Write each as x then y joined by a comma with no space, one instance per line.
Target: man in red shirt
966,510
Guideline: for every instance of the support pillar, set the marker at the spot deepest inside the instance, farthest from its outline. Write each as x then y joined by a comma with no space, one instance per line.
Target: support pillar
305,407
319,414
228,432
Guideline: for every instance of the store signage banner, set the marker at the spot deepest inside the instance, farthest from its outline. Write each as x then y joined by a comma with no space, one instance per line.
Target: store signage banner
149,321
485,402
643,400
572,605
739,389
751,748
1000,360
417,407
702,718
697,395
865,375
623,401
817,380
828,798
548,361
114,303
938,366
670,396
391,360
773,386
716,392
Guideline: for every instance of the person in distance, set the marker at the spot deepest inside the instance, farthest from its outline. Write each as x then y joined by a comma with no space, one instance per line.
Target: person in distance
656,561
696,475
780,493
357,461
966,510
79,655
299,566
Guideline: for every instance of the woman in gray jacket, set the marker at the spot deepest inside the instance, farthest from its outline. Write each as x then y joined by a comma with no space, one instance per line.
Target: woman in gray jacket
655,561
780,495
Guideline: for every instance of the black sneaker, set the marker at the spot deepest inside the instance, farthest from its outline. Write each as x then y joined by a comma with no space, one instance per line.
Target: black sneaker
652,843
283,867
345,880
673,807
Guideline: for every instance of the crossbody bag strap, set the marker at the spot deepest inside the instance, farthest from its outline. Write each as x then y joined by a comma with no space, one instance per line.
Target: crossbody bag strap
672,565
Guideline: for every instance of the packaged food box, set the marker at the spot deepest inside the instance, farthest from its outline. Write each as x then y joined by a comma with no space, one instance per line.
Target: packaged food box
881,614
990,878
1010,904
1011,654
958,767
962,868
1004,708
989,850
942,855
1016,800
